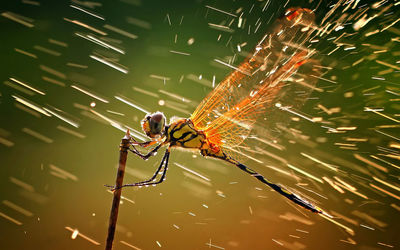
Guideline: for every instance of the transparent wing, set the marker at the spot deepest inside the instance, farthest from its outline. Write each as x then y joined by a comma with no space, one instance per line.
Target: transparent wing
277,72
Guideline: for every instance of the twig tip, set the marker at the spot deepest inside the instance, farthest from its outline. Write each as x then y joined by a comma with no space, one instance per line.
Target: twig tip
127,135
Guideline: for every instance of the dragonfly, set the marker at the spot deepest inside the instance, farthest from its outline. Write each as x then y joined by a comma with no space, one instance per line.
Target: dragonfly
261,85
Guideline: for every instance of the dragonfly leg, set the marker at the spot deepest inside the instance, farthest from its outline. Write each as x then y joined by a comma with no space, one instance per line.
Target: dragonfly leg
163,163
142,144
148,155
291,196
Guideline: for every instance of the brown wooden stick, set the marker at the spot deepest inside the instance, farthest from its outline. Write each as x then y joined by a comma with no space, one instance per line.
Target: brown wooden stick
123,154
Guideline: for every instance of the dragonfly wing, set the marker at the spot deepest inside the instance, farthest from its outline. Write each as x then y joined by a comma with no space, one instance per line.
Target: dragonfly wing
277,69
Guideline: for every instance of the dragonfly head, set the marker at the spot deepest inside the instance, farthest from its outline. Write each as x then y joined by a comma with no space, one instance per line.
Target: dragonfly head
154,124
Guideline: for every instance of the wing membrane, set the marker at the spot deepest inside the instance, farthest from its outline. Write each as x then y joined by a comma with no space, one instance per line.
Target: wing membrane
277,72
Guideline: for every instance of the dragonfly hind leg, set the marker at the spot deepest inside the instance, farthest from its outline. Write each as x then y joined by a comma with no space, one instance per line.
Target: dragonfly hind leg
163,163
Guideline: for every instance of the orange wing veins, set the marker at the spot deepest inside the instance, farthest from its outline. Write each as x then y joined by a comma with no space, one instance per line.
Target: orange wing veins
229,112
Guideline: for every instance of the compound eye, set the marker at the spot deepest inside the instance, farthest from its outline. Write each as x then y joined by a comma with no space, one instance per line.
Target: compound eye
157,123
153,125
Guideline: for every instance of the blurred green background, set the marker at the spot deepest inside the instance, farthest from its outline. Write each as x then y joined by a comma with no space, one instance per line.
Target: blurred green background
233,211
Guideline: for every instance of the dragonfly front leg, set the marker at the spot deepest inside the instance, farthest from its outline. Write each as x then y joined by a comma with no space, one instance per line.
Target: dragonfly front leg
142,144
